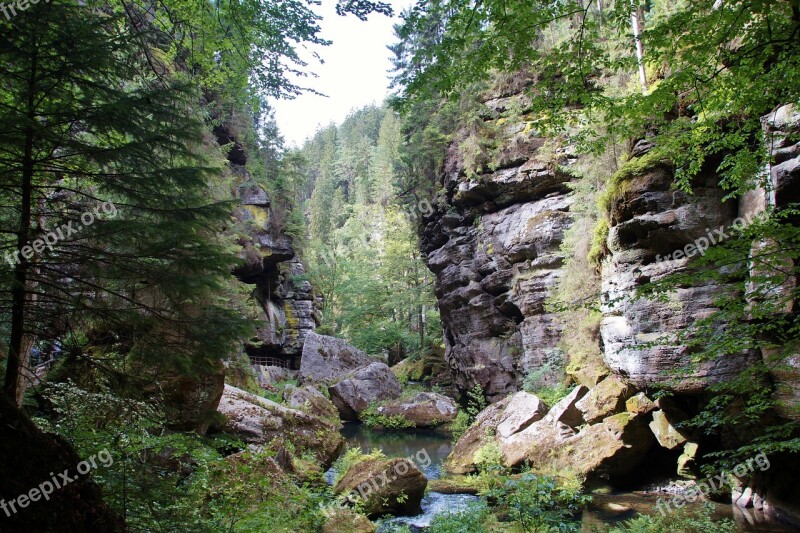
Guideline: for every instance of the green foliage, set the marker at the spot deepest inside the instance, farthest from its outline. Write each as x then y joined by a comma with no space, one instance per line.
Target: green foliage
470,520
460,425
488,458
680,520
538,503
373,419
476,402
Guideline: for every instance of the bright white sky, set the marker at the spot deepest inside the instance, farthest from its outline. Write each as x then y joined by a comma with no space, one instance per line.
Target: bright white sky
355,72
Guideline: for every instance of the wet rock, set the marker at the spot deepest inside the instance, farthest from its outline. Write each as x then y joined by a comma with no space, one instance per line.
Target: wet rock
359,389
257,420
424,410
605,399
327,359
384,486
523,410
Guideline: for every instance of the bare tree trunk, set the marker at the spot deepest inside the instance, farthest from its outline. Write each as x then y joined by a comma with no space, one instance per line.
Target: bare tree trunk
636,20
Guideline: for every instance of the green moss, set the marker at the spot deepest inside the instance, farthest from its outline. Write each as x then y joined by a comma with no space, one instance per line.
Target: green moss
618,183
599,249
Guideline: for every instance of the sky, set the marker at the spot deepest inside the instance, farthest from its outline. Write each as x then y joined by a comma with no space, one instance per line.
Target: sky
355,72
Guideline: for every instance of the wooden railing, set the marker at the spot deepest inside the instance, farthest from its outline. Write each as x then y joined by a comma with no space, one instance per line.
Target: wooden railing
269,361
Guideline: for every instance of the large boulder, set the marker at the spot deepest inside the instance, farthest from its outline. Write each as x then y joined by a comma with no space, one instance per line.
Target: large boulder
606,398
257,420
613,447
523,410
311,400
384,486
424,410
326,359
357,390
462,458
667,435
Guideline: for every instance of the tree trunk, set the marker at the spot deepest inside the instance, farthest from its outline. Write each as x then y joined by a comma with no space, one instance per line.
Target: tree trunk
19,284
636,20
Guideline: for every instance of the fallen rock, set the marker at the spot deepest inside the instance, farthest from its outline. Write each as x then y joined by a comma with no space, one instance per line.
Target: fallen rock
607,398
687,460
327,359
425,410
523,410
613,447
373,383
639,404
462,458
310,400
258,420
566,410
384,486
666,434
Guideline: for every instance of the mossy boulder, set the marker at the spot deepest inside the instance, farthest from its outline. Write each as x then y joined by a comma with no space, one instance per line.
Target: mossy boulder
424,410
384,486
462,459
605,399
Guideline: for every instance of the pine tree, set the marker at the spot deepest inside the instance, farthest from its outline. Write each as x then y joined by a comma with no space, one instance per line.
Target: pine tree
107,224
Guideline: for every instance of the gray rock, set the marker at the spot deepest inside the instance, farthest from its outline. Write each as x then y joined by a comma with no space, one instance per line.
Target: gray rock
566,410
424,410
523,410
326,359
257,420
359,389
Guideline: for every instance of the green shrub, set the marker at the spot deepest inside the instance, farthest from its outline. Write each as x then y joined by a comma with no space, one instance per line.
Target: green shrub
373,419
538,503
476,402
460,425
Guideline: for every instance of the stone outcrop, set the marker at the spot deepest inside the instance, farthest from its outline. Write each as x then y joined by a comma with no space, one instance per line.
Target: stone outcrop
384,486
327,359
493,243
257,420
424,410
371,384
649,221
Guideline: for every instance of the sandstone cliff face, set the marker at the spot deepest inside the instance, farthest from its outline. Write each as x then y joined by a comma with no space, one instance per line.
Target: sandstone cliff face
286,306
493,243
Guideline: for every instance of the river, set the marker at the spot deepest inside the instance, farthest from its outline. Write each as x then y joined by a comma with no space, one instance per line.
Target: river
434,447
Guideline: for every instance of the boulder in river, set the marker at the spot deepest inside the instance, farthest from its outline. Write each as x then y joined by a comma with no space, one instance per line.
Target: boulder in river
424,410
367,385
327,359
384,486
